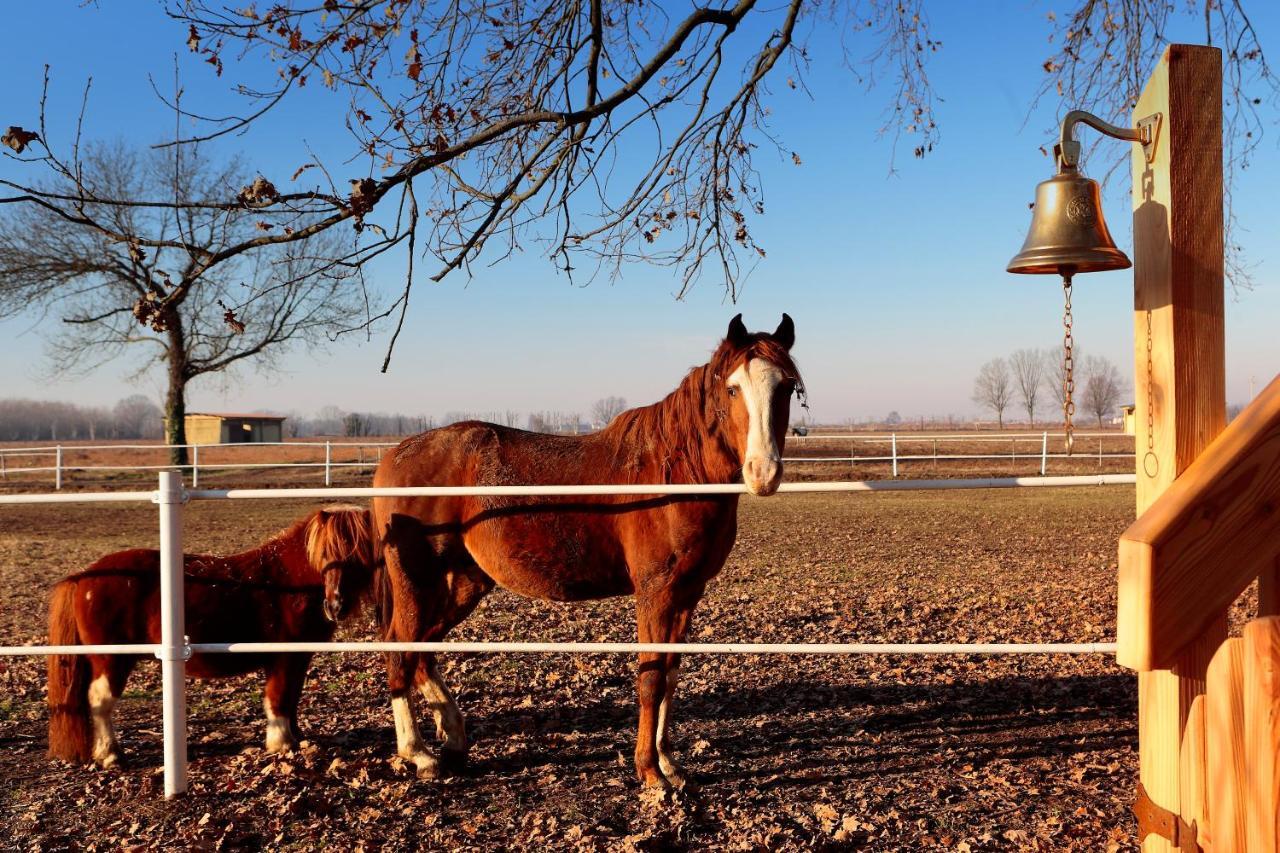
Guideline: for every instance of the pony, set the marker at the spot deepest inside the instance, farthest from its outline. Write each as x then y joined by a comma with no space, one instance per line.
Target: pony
726,422
292,587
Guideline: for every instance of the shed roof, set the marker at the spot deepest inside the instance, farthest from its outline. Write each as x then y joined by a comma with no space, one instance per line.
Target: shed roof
236,416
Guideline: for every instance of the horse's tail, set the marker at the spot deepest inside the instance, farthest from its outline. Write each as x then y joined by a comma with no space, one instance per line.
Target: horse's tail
70,732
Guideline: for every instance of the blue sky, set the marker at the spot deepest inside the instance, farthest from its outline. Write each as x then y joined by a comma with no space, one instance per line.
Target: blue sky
896,282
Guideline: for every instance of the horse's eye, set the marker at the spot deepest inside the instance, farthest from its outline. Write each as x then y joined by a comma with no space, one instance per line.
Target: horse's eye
733,391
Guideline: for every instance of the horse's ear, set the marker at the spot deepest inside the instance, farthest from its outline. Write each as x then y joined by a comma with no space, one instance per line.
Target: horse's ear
737,334
785,334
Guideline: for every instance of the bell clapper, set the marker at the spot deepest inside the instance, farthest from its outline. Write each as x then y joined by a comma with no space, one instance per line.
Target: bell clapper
1068,364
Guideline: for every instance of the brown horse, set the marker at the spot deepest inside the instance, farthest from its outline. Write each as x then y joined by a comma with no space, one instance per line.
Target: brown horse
726,420
284,590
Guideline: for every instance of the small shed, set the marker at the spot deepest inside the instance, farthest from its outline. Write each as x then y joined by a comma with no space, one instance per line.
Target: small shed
1129,418
233,428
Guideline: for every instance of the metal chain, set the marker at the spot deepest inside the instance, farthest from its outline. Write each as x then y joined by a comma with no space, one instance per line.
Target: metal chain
1150,462
1068,367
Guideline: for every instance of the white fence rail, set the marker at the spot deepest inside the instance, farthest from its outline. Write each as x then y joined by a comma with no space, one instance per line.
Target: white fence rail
896,457
174,648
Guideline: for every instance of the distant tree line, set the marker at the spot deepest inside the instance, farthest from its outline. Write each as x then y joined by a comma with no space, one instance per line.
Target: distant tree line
1032,381
39,420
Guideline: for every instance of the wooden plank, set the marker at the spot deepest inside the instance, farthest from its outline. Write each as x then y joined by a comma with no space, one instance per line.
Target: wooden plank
1269,591
1179,364
1224,750
1194,795
1262,734
1201,544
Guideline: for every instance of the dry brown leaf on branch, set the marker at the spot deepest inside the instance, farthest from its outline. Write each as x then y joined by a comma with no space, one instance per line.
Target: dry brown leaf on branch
18,139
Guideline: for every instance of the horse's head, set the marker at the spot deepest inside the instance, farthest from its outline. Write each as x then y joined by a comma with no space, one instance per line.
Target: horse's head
756,378
340,547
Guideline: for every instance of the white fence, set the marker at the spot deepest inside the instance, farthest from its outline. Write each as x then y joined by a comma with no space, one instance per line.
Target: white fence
174,648
1035,447
61,467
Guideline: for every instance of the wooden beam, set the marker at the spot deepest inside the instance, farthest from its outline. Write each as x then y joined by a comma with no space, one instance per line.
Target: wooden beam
1203,541
1262,734
1179,375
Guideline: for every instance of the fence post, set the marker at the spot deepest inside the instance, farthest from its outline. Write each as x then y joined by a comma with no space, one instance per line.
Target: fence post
173,642
195,466
328,460
893,439
57,468
1044,452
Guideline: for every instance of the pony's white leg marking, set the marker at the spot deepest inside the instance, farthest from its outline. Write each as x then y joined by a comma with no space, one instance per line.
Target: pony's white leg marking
450,727
101,703
409,743
666,763
756,381
279,732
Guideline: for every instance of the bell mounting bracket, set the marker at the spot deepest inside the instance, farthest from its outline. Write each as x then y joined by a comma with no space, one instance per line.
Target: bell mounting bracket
1067,151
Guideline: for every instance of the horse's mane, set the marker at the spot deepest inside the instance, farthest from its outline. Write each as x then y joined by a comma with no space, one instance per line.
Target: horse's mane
339,534
683,429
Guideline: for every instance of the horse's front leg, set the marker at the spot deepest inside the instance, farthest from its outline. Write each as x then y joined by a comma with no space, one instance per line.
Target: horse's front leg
661,620
667,763
409,743
286,675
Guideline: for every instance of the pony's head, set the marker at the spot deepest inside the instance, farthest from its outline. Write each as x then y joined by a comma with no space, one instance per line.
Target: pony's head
340,546
755,379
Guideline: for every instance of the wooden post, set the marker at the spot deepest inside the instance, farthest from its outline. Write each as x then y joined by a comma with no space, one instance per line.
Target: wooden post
1179,375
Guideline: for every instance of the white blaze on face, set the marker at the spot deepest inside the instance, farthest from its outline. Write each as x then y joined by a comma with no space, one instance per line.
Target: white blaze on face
755,382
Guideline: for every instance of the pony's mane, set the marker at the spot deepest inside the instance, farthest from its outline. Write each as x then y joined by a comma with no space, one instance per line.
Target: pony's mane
682,429
339,534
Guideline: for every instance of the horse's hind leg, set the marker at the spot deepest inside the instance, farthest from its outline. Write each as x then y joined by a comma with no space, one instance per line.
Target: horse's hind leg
450,726
110,672
466,586
285,677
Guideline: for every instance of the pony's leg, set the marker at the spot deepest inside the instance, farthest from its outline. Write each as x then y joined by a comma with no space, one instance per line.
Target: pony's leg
660,620
285,678
110,672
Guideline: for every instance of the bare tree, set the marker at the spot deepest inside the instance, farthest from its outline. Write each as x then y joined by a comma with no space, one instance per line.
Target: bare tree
993,389
476,126
129,287
1103,387
606,409
136,416
1028,374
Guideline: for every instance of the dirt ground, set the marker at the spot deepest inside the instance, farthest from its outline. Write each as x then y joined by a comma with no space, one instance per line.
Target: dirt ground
874,753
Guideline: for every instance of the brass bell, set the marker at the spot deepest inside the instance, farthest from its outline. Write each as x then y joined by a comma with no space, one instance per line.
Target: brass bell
1068,234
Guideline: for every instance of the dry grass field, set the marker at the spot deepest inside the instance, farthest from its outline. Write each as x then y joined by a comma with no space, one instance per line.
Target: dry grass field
876,753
